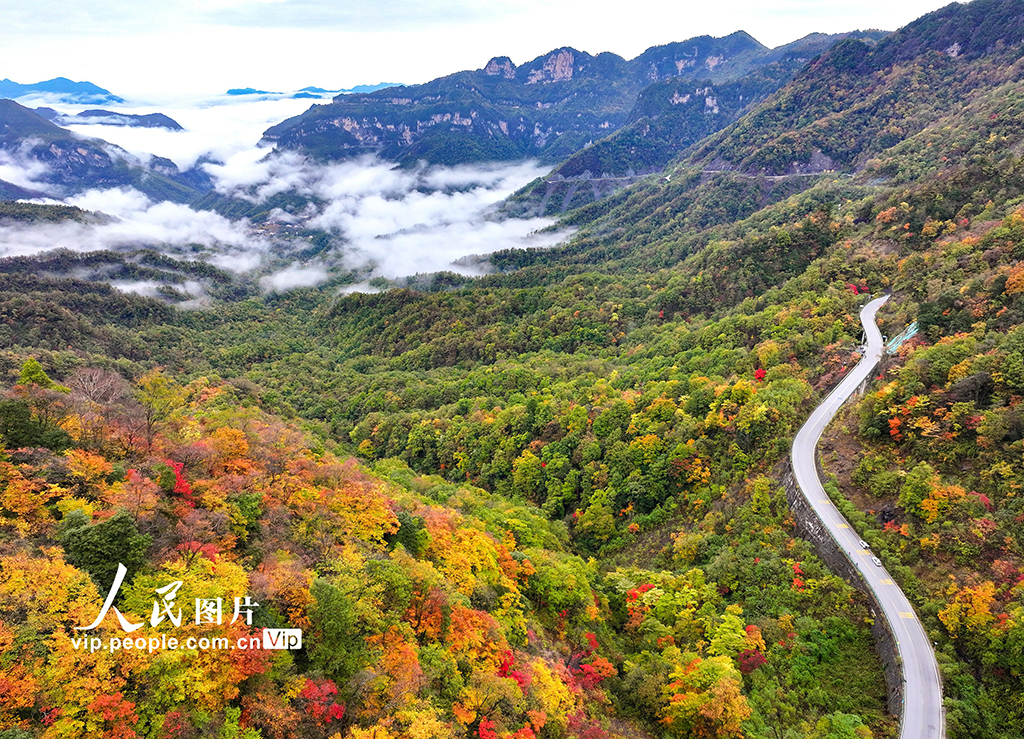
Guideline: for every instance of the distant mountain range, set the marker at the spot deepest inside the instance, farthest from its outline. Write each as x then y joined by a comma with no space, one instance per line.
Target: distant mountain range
312,92
557,104
110,118
765,121
70,92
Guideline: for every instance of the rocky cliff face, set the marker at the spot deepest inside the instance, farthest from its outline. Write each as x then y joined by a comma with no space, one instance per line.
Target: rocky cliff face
501,65
550,107
558,67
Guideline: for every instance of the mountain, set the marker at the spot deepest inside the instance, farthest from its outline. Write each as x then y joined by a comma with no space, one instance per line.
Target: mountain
669,116
312,93
10,191
75,163
936,106
111,118
549,107
69,91
552,104
357,88
371,88
248,91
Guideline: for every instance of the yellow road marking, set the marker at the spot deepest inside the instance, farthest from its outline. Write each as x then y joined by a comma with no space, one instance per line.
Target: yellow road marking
843,526
864,551
886,581
906,615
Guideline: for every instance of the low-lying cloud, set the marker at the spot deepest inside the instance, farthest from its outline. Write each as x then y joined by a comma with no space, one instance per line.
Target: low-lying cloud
397,222
295,275
216,129
21,170
380,221
137,222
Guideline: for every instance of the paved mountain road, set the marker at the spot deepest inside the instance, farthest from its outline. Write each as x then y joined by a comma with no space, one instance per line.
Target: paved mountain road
922,716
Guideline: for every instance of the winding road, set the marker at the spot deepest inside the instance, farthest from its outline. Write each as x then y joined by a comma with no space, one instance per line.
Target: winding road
922,716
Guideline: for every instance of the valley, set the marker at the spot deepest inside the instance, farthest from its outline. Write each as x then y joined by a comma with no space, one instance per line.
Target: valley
489,384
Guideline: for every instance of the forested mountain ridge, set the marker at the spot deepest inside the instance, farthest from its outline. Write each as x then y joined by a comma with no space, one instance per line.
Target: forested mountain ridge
548,108
853,114
668,117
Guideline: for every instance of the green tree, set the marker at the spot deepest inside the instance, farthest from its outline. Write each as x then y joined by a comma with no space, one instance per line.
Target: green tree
32,373
98,548
159,395
528,475
18,428
917,487
337,647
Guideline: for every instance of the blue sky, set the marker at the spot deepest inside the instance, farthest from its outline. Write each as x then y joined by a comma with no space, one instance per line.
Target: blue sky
205,46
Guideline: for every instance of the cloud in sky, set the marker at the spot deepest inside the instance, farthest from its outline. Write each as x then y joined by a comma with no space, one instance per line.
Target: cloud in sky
364,15
103,16
135,48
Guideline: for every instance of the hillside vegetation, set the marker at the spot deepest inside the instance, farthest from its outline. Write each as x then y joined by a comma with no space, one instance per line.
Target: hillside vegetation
542,503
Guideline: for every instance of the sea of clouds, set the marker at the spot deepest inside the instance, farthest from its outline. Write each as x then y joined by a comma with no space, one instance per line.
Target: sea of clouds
384,221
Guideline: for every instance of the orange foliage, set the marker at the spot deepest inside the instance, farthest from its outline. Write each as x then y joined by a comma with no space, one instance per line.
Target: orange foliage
18,685
136,494
970,610
441,524
400,663
89,471
110,717
287,582
230,447
426,612
475,634
754,638
705,699
1015,282
894,428
939,500
23,501
351,507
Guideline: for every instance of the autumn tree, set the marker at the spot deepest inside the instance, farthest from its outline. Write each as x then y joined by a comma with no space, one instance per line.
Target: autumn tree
704,698
159,395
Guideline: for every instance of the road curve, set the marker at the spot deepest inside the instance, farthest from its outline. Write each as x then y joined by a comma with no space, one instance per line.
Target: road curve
922,716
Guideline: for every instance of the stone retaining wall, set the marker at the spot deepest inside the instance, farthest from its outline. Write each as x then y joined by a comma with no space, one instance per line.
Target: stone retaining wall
811,528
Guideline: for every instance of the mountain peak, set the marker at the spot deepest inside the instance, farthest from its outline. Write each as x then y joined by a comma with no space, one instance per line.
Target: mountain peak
557,67
970,30
69,90
501,65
